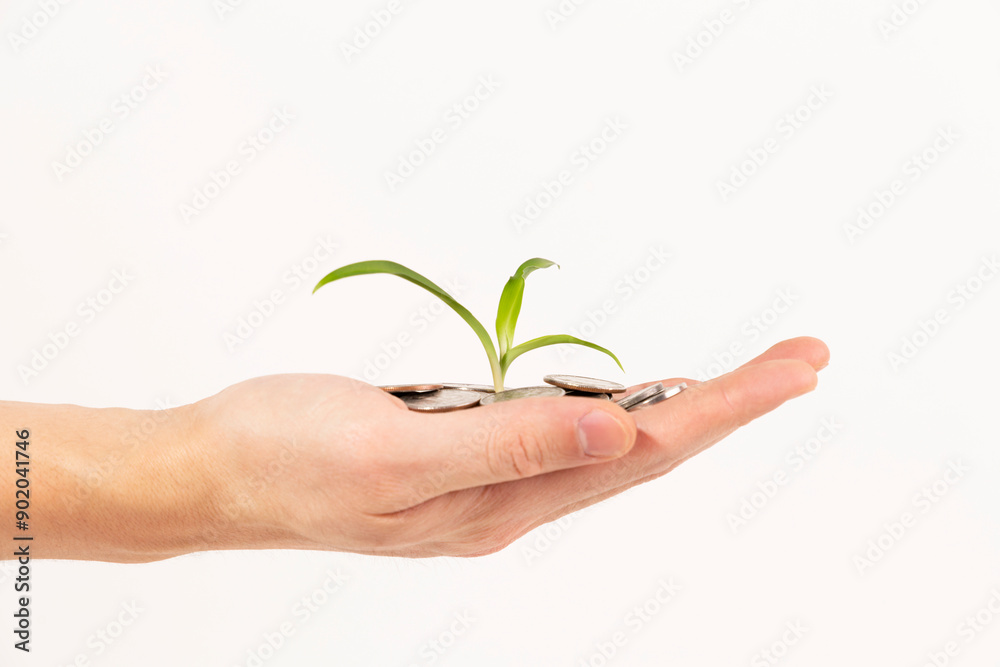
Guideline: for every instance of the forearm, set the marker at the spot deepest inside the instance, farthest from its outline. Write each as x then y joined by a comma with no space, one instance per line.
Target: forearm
114,484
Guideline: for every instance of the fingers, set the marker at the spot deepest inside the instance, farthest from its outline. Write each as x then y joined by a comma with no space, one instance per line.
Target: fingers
510,441
531,437
668,434
813,351
810,350
558,481
716,408
805,349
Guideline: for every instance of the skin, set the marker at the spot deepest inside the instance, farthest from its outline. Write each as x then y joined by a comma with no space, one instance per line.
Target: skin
329,463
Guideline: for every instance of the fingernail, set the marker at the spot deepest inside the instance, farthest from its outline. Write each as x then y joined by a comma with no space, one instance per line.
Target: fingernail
600,434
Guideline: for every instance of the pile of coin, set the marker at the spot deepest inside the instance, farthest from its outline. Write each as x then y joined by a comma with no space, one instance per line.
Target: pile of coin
449,396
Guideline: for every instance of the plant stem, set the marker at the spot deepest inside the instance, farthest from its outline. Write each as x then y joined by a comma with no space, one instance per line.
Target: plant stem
498,373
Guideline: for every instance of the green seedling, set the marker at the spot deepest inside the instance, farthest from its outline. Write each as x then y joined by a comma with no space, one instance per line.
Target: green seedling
507,312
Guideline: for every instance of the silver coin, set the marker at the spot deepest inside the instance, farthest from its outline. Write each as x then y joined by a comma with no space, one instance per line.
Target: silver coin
669,392
411,388
583,394
484,388
524,392
444,400
638,397
589,385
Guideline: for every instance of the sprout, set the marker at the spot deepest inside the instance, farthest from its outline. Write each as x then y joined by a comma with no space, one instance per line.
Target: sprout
507,312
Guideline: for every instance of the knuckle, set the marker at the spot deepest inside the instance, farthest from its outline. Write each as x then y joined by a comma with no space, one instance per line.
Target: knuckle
521,453
726,405
726,401
715,403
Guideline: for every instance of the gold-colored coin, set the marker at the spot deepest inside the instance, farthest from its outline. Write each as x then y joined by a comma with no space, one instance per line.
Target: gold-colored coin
411,388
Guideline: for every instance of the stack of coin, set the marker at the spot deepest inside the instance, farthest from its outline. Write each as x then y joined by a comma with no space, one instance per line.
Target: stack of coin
451,396
651,395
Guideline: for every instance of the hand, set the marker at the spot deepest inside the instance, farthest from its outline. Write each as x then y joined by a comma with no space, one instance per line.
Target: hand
325,462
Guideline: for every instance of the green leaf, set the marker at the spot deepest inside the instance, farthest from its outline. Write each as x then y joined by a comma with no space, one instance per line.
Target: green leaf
516,352
392,268
510,302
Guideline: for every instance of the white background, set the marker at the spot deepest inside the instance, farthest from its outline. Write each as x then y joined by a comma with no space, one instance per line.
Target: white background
561,593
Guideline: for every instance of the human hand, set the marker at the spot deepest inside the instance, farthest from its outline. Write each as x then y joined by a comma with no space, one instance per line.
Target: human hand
325,462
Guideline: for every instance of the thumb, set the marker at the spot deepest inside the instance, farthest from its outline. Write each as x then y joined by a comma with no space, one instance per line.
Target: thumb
515,440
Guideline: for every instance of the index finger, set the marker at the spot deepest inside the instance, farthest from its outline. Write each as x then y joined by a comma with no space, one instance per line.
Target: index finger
810,350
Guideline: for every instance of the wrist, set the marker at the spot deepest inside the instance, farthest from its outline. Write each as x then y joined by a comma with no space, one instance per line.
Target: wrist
190,488
167,498
235,481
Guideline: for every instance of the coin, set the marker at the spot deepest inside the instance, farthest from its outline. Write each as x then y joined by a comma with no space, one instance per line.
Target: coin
411,388
485,388
669,392
524,392
584,394
638,397
589,385
449,396
444,400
